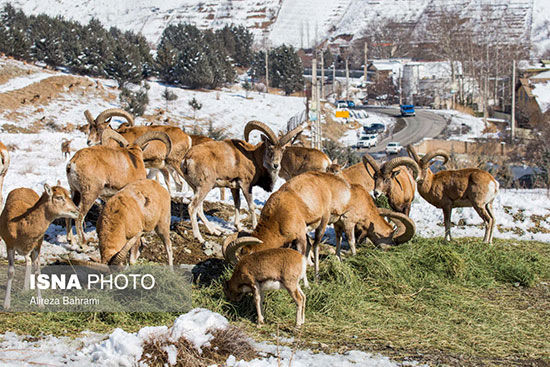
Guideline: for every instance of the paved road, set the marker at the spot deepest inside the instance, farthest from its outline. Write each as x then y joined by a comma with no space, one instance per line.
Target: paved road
425,124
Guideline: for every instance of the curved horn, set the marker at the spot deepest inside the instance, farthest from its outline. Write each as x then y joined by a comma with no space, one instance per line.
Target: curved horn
111,112
120,257
154,135
111,134
369,160
389,166
405,225
231,249
412,153
257,125
90,264
228,240
435,153
89,117
291,134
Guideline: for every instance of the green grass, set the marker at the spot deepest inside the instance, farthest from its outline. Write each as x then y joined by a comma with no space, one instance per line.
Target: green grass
460,298
465,299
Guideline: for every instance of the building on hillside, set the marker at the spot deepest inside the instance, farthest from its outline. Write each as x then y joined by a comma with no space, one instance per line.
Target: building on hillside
533,99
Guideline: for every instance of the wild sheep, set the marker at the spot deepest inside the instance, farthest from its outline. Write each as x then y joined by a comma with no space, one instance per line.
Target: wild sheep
398,185
141,206
25,218
448,189
4,165
66,148
235,164
401,188
268,270
100,171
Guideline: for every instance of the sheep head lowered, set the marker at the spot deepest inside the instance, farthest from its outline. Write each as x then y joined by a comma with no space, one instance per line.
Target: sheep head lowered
97,126
100,171
397,184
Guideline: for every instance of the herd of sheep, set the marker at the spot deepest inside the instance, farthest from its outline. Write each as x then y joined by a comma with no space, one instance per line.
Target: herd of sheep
119,167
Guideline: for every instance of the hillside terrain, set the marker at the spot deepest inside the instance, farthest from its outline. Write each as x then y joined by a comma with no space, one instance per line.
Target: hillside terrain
300,22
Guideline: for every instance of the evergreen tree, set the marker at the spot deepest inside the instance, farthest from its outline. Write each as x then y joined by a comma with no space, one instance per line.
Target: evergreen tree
134,102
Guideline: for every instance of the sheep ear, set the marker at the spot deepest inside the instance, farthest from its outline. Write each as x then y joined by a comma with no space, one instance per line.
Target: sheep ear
48,189
335,161
58,183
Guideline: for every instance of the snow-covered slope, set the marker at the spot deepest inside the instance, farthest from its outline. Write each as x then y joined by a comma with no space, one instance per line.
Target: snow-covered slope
296,22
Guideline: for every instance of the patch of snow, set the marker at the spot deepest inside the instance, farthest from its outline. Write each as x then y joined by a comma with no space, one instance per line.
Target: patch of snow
125,349
541,91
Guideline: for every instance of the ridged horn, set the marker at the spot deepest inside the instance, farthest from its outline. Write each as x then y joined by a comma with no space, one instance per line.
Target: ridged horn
286,138
232,247
90,264
228,240
120,257
369,160
412,153
389,166
111,112
260,126
405,225
89,117
435,153
111,134
154,135
5,163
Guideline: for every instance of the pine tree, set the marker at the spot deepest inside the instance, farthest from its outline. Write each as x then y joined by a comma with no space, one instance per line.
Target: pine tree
134,102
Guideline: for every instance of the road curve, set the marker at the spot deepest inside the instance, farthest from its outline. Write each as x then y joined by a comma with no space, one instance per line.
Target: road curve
425,124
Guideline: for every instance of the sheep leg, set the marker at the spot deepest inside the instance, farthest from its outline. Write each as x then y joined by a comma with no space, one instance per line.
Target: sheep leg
319,232
299,298
338,230
489,208
447,221
163,231
28,264
135,252
11,273
487,220
247,192
258,301
35,257
166,176
195,206
350,234
212,228
237,204
85,206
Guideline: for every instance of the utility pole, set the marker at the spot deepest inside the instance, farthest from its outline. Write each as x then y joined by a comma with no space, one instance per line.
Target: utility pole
333,76
314,101
365,69
400,91
322,74
513,119
347,78
267,70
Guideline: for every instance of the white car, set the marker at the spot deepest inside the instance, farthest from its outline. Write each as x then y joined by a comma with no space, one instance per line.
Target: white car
393,147
367,141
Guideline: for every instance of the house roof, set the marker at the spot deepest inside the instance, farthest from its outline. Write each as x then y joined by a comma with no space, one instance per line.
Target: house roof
539,76
541,91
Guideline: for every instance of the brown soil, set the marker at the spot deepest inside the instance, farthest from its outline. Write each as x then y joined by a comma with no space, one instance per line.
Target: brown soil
43,92
8,72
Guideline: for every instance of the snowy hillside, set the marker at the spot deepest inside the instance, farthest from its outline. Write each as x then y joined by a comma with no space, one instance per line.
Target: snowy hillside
298,22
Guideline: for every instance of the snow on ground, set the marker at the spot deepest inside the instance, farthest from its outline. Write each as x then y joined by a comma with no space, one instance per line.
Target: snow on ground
364,119
457,119
125,349
36,158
